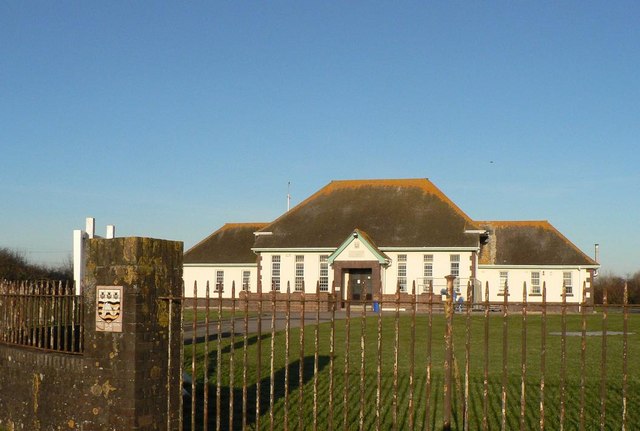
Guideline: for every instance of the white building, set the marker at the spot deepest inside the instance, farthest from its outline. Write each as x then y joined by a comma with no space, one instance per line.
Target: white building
223,258
369,236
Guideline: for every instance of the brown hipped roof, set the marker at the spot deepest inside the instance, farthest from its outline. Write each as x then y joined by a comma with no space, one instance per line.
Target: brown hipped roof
394,213
230,244
529,243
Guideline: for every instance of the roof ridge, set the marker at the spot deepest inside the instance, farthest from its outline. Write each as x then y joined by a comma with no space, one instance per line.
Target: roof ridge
540,223
242,224
422,183
380,180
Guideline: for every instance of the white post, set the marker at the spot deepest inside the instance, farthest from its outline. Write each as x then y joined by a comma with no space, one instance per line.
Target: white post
78,249
111,231
91,226
78,236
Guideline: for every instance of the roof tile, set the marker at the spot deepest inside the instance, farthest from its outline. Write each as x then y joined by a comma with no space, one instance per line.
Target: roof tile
405,212
230,244
534,242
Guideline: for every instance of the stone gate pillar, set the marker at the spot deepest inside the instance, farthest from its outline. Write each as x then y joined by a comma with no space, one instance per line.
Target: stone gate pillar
132,352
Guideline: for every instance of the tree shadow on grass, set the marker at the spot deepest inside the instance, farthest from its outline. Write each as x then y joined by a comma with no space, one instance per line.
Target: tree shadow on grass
213,337
231,400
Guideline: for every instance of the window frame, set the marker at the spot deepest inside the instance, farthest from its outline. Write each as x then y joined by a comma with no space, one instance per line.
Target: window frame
535,286
402,272
427,271
324,272
246,280
275,272
299,273
454,261
569,287
219,286
503,281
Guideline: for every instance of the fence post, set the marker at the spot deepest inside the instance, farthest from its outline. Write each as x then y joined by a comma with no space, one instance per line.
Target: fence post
127,379
448,356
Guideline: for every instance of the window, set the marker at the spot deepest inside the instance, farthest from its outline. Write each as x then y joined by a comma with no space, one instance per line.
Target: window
324,273
246,280
455,270
219,281
535,283
299,286
504,280
275,272
567,282
427,272
402,272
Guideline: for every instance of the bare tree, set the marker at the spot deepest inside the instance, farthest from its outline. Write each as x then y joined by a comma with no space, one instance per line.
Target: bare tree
614,284
14,266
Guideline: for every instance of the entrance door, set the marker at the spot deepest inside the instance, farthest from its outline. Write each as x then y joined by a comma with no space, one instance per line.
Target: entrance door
360,285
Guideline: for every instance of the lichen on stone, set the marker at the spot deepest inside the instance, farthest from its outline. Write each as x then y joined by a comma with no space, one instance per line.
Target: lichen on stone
163,314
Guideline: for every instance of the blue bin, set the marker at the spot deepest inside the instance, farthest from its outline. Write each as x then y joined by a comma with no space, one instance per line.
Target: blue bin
376,307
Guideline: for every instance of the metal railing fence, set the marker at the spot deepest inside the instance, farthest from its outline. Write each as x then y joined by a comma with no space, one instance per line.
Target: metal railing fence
299,361
45,315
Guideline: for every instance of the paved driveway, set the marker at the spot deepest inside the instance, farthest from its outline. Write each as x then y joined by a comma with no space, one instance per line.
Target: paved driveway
252,328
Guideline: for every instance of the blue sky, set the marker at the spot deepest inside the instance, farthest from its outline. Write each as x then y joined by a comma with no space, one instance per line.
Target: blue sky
169,119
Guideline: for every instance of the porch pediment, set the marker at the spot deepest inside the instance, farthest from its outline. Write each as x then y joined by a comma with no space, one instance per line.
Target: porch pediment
358,247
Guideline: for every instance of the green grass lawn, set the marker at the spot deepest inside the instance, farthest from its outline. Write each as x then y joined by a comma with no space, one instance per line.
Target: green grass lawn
369,386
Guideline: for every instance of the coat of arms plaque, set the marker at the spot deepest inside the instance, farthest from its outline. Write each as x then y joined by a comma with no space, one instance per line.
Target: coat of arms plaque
109,308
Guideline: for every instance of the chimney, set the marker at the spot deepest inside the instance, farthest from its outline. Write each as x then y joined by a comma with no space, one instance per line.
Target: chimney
597,253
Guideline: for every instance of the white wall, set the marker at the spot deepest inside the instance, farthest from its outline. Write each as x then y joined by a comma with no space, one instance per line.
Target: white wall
207,273
288,270
517,276
415,270
553,276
